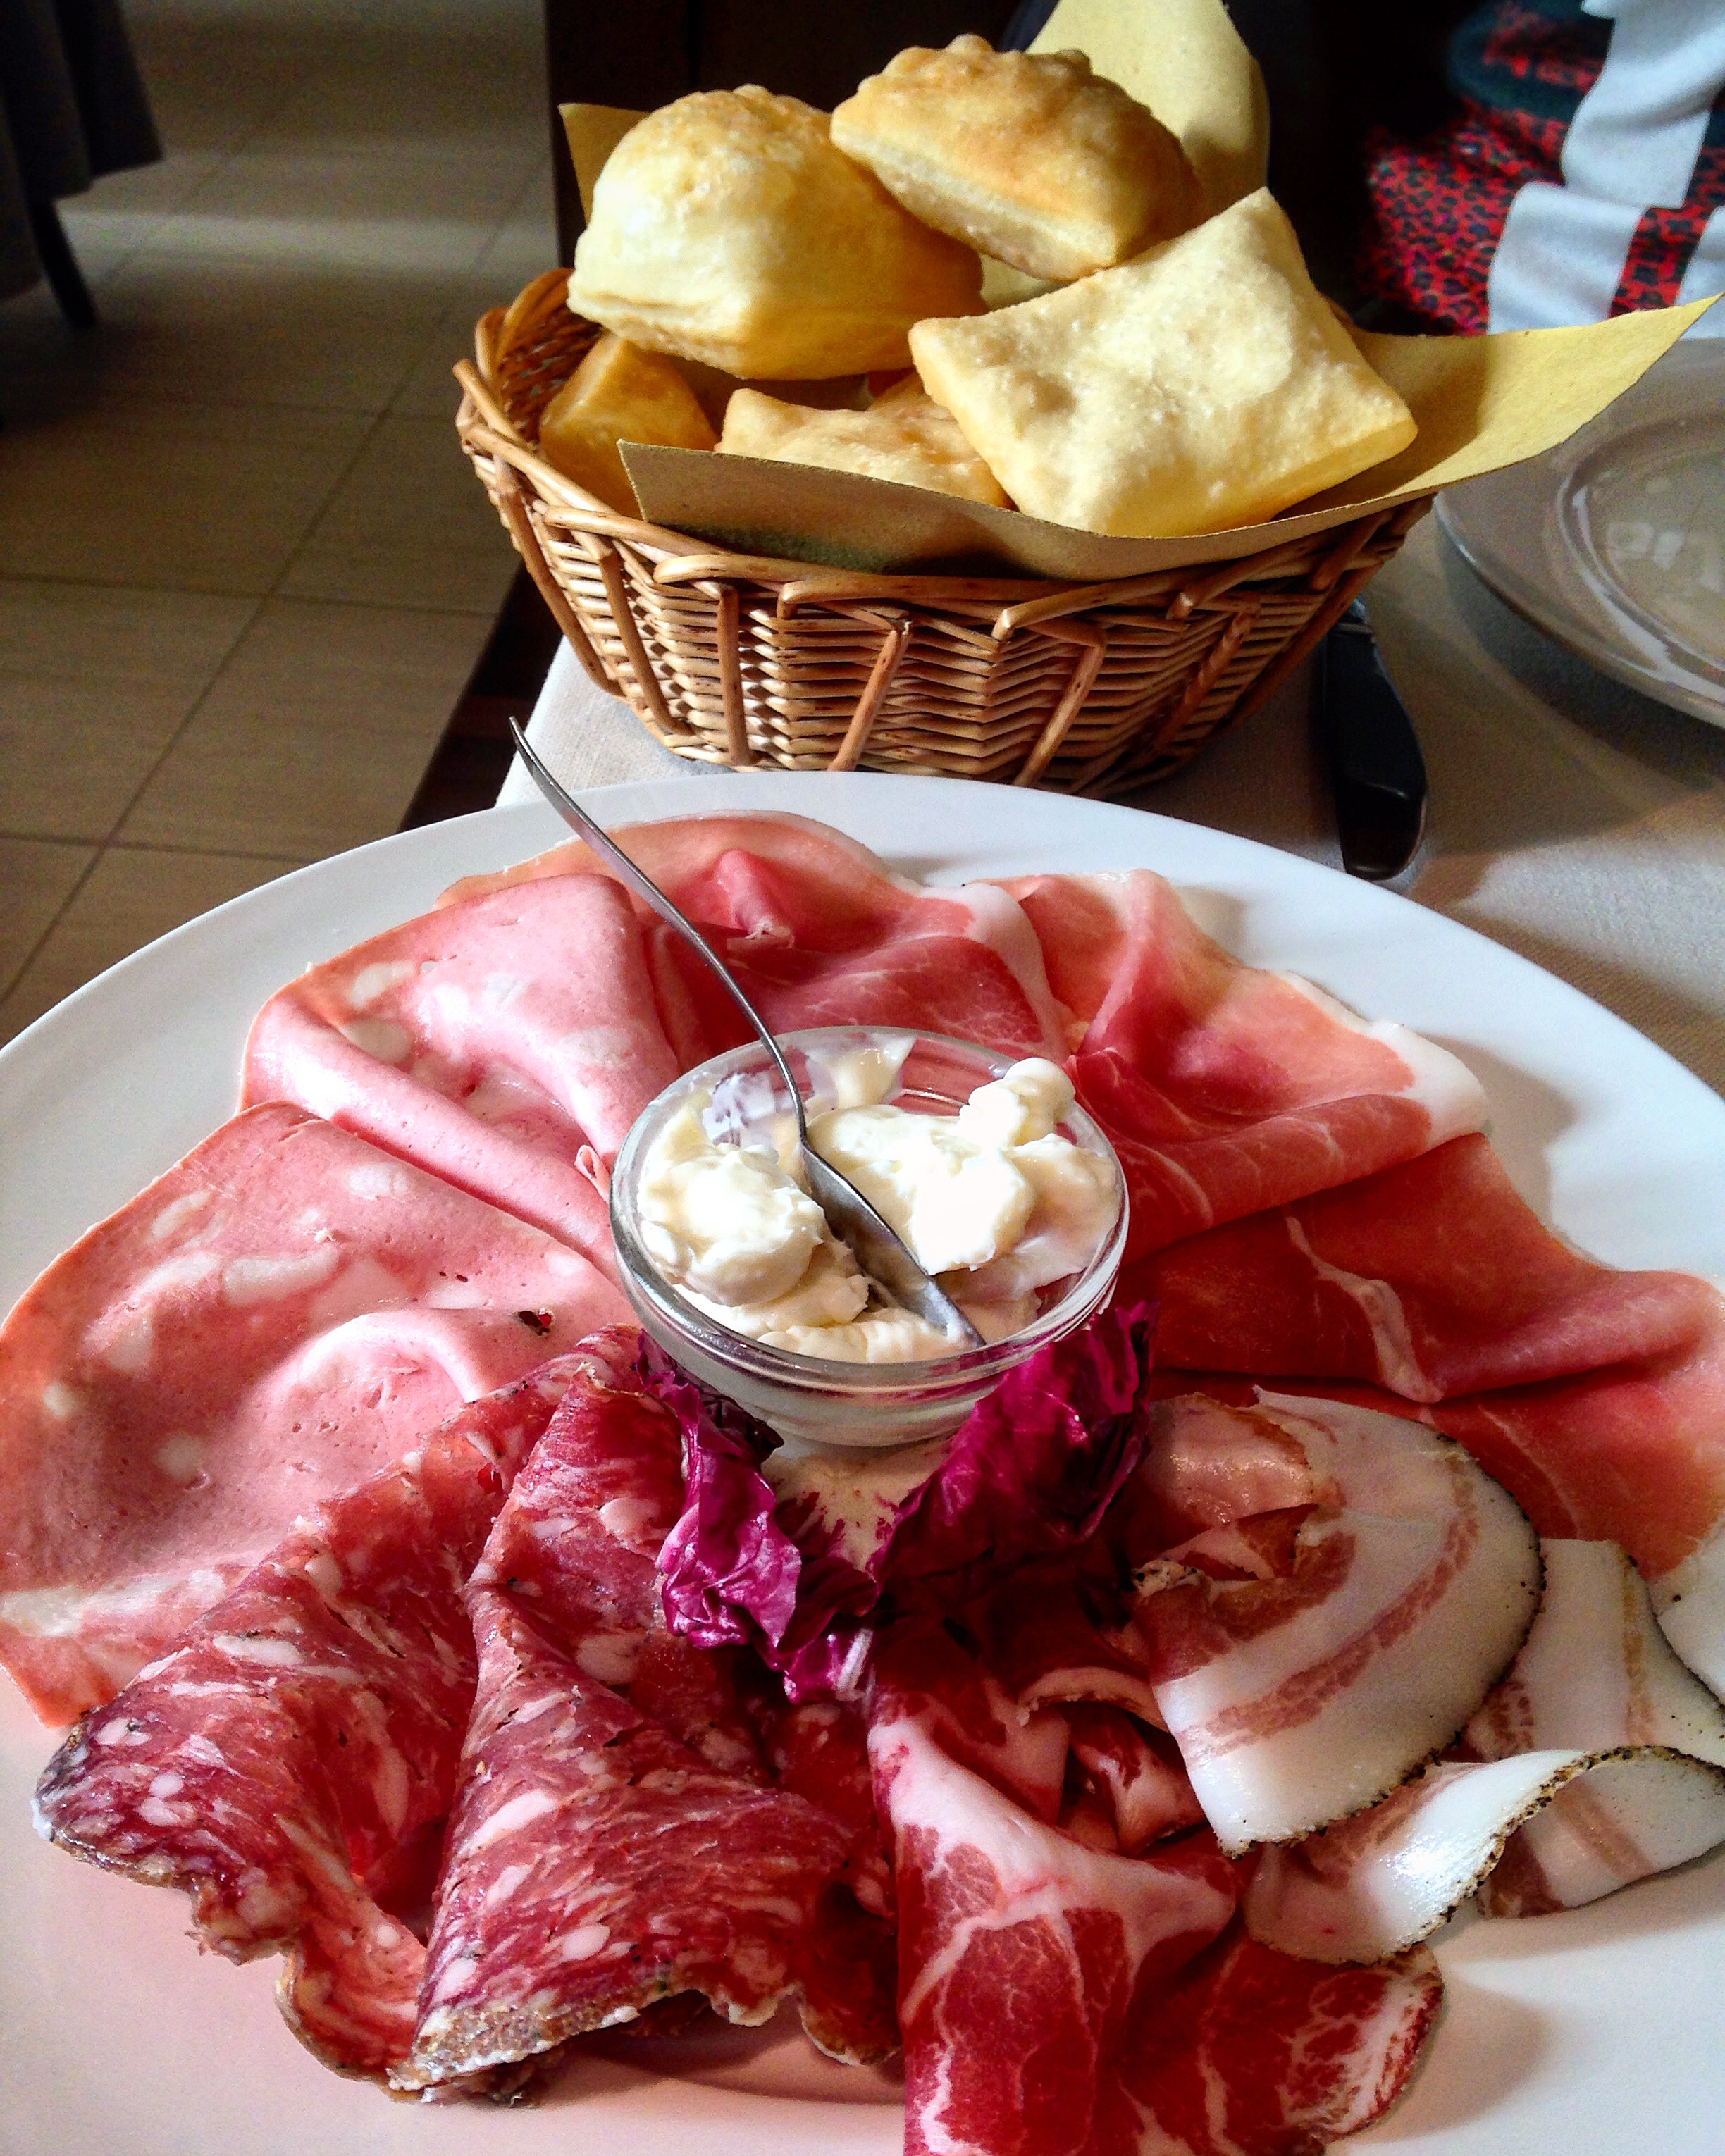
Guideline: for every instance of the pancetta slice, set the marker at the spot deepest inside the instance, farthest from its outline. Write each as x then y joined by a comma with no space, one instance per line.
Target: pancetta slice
607,1849
1227,1089
287,1754
1633,1454
1389,1876
1298,1698
820,932
488,1043
1596,1671
275,1318
1029,1964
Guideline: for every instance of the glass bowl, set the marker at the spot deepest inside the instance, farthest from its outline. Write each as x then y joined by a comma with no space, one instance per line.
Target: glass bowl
806,1398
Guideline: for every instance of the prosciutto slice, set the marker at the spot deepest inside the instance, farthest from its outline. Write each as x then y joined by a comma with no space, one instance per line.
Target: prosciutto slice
276,1318
1432,1279
283,1762
617,1840
1226,1089
820,932
1307,1681
494,1043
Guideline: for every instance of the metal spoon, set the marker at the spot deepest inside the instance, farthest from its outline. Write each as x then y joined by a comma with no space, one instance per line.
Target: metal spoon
879,1251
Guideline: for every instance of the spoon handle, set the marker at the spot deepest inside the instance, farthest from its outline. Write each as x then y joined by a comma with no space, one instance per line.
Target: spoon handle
643,887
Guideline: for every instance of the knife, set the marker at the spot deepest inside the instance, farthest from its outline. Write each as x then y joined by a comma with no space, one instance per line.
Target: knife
1367,742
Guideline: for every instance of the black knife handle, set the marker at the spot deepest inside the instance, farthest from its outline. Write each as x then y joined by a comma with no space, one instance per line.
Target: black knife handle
1368,742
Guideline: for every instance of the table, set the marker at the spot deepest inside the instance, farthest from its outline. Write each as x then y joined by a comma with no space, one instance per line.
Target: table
1576,821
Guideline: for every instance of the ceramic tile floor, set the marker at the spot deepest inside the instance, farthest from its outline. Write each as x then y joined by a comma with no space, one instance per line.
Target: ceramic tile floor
244,569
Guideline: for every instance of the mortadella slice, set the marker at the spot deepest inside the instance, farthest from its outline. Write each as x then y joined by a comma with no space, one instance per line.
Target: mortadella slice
285,1760
820,932
267,1324
1226,1088
497,1044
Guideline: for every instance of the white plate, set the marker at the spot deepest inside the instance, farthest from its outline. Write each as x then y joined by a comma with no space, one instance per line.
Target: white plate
1591,2032
1613,543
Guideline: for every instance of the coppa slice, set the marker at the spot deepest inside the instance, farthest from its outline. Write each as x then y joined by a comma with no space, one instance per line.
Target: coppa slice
1226,1089
820,932
490,1042
274,1319
1029,1964
279,1762
1302,1697
617,1839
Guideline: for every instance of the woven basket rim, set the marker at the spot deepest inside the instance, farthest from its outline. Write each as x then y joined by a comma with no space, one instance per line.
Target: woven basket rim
483,421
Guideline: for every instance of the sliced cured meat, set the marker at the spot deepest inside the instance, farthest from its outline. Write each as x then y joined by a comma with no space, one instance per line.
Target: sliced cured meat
280,1758
1227,1089
821,932
276,1318
847,1970
1029,1965
1257,2053
1147,1790
1634,1455
492,1042
1298,1698
1596,1671
1433,1279
1565,1827
600,1858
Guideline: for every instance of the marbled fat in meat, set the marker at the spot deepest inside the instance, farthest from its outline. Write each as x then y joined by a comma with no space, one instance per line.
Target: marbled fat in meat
290,1751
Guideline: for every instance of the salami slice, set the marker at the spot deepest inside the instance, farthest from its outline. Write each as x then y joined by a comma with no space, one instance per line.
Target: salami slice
603,1855
285,1756
276,1318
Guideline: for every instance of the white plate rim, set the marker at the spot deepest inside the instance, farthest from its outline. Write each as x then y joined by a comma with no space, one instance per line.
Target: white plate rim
1517,2063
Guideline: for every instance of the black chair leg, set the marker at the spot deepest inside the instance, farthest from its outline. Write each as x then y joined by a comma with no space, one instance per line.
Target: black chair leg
65,278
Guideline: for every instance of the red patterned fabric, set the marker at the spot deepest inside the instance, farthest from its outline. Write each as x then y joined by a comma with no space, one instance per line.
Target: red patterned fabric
1438,205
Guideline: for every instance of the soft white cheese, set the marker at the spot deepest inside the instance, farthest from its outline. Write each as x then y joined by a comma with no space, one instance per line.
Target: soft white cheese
992,1199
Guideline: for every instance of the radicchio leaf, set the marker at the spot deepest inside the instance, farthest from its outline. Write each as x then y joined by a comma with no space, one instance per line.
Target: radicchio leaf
1030,1472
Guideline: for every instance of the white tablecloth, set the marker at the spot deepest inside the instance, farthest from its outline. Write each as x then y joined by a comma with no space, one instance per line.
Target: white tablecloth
1571,819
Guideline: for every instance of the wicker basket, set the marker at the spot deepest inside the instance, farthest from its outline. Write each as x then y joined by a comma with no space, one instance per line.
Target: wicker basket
730,659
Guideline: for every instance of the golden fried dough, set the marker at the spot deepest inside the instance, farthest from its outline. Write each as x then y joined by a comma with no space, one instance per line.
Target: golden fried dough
618,394
727,229
904,435
1029,157
1205,385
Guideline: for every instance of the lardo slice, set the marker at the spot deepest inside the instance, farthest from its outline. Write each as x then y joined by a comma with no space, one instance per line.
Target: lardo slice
279,1316
284,1762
